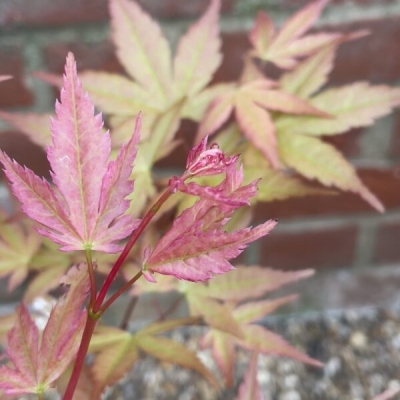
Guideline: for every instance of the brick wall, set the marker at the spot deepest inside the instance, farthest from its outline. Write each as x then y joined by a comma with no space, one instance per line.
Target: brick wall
319,232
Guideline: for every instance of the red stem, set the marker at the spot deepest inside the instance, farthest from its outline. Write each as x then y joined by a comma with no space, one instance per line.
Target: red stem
80,358
119,292
135,236
89,262
96,310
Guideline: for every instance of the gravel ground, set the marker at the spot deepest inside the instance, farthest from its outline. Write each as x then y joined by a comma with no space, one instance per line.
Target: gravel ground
360,350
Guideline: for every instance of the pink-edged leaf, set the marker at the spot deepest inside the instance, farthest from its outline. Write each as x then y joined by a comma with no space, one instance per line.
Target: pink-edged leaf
165,326
22,350
195,108
267,342
197,256
256,125
318,160
113,362
170,351
113,225
142,48
86,211
286,58
300,22
203,162
197,237
312,73
285,46
287,103
223,352
5,77
216,315
216,114
36,127
62,334
280,185
79,154
250,389
39,361
262,33
351,106
198,53
114,93
249,282
18,245
39,202
6,323
254,311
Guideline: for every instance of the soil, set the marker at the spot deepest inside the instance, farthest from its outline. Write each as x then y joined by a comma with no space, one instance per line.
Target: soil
360,350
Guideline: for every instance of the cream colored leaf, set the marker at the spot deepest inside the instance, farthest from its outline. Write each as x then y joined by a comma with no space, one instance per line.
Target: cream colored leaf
317,160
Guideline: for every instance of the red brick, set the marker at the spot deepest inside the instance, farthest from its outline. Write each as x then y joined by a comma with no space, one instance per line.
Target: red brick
374,58
387,249
384,183
348,144
98,56
18,147
14,91
395,148
62,12
297,4
51,13
181,8
328,248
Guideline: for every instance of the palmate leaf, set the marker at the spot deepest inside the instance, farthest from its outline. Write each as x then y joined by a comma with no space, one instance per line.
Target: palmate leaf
142,49
274,184
252,103
197,236
115,351
86,211
312,73
47,267
116,94
207,299
318,160
247,282
18,245
39,360
250,389
256,338
285,46
115,358
198,53
351,106
214,313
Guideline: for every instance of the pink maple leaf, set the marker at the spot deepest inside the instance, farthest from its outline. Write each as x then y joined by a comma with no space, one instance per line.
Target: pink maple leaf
85,209
205,162
5,77
196,246
39,358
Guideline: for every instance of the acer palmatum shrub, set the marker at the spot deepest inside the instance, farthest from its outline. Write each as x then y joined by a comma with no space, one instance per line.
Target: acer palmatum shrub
94,217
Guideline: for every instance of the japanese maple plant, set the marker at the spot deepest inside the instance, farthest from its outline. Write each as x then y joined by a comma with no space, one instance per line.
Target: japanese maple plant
92,226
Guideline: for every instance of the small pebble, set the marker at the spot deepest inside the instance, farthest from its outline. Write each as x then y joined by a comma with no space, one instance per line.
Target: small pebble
359,340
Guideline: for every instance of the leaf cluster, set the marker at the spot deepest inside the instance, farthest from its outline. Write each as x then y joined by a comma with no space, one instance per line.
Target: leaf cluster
98,203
